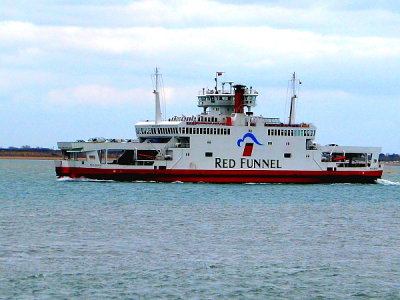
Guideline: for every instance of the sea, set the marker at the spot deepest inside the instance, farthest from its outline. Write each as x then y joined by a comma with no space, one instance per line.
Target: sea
81,239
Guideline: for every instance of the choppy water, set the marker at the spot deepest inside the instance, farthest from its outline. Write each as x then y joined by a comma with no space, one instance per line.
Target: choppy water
110,240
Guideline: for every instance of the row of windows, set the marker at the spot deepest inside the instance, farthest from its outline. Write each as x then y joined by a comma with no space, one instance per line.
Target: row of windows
212,99
215,131
219,131
291,132
195,118
161,130
225,98
218,98
183,130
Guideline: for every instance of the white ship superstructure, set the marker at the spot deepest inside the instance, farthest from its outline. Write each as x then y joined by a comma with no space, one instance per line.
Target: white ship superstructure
225,143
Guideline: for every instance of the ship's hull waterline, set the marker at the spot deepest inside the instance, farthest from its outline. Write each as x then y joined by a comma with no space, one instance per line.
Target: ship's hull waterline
221,176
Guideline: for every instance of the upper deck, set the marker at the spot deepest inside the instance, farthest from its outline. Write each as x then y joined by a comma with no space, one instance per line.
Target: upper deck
223,101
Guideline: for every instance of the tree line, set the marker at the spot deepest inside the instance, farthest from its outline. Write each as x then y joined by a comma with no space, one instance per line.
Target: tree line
27,148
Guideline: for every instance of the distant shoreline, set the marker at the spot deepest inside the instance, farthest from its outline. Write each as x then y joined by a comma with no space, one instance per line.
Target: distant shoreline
30,154
31,157
390,163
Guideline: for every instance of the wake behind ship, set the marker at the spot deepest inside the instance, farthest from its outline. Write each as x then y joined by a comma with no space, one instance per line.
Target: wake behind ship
225,143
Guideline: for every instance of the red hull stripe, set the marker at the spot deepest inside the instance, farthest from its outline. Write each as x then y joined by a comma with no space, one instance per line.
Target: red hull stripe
221,175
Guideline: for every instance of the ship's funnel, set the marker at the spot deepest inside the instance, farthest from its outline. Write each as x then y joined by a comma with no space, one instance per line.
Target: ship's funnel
239,97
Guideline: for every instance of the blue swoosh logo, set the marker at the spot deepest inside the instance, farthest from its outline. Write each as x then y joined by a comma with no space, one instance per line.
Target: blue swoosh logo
248,135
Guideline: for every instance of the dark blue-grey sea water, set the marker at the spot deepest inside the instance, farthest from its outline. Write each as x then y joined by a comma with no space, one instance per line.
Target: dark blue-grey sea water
110,240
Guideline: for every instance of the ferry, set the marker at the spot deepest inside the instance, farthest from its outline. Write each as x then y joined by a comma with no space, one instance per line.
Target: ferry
225,143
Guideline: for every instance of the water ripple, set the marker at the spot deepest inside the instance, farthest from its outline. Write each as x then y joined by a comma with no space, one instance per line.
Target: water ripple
104,240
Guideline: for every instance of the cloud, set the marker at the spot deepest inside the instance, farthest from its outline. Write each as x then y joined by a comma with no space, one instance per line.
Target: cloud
217,42
366,18
105,96
97,95
96,56
246,53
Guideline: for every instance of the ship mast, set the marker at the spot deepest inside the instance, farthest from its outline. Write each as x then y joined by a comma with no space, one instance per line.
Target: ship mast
157,98
292,100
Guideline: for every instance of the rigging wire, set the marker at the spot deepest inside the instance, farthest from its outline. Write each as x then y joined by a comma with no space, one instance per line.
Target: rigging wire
153,84
286,99
163,100
298,88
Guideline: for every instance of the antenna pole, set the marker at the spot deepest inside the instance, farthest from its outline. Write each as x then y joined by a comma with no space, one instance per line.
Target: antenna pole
157,98
292,101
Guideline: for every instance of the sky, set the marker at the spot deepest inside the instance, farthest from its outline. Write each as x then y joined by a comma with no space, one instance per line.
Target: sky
78,69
